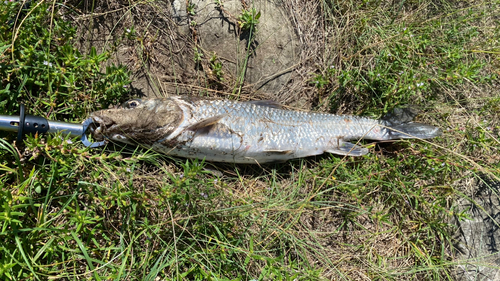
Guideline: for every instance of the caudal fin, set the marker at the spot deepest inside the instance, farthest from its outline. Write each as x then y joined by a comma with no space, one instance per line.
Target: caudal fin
400,125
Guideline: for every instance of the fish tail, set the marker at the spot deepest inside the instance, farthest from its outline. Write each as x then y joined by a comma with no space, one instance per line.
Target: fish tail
413,131
400,125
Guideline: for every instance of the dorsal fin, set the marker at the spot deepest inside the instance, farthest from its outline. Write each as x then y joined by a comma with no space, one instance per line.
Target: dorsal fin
266,103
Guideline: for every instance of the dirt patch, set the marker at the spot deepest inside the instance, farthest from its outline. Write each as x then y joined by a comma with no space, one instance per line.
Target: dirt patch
202,48
264,56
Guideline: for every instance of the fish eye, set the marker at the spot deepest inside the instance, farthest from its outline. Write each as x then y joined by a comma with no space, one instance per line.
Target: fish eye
131,104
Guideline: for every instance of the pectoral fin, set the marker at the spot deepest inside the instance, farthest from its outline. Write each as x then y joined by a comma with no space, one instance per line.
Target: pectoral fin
206,122
347,148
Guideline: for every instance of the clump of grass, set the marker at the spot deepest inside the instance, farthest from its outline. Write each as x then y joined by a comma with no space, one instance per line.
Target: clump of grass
404,55
41,67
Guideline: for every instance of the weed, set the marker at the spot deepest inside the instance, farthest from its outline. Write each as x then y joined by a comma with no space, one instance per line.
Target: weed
249,19
216,67
198,56
41,67
130,33
191,8
218,3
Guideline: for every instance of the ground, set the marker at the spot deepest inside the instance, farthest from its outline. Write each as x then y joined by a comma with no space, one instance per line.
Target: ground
403,212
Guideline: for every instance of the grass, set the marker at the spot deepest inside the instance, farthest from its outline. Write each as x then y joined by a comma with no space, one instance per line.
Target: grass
71,213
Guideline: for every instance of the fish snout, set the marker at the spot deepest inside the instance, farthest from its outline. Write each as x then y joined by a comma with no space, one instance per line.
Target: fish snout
102,120
101,125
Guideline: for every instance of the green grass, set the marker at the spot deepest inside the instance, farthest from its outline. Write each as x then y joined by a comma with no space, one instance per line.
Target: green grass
41,66
72,213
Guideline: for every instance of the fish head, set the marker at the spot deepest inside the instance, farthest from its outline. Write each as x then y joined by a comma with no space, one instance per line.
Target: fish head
137,121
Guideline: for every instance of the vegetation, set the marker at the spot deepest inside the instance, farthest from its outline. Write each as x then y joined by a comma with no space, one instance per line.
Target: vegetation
68,212
40,65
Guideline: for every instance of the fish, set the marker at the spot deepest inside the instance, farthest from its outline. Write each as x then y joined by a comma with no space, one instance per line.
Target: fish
252,132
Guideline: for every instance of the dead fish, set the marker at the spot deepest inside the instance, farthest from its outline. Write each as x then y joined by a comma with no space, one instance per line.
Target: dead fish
246,132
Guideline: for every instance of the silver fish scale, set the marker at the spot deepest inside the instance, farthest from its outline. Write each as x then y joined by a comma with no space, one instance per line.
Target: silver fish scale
250,133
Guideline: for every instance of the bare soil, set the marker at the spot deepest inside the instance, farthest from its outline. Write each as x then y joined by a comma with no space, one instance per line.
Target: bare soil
172,51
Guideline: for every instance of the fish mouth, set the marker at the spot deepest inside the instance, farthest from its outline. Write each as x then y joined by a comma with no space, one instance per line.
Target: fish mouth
106,129
100,127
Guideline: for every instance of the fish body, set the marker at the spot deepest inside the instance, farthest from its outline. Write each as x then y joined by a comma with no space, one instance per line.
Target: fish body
243,132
